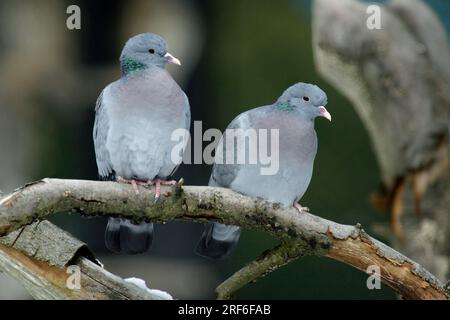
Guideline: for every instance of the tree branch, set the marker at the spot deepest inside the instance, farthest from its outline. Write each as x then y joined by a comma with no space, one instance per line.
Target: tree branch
268,262
313,234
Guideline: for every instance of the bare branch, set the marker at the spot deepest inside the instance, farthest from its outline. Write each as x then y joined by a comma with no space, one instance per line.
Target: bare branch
268,262
313,234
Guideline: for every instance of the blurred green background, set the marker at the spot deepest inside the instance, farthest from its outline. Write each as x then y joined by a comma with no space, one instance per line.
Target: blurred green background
236,55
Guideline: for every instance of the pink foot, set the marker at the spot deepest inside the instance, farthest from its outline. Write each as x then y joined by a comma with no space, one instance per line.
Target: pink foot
158,183
300,208
134,183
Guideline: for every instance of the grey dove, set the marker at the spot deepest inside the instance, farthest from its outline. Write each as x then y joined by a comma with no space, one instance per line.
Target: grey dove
134,119
293,115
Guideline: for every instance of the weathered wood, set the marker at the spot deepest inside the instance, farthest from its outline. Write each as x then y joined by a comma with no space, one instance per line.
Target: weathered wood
38,257
44,241
314,235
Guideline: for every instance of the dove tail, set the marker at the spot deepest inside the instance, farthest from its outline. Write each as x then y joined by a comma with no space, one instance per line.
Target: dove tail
218,241
122,236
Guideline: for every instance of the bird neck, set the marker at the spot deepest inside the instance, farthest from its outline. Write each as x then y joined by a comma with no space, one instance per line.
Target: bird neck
284,106
130,66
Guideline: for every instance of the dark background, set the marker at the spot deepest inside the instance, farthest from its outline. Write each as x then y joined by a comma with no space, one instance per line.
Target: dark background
236,55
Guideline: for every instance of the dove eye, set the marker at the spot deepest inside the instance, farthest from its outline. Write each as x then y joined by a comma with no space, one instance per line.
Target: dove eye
306,98
152,51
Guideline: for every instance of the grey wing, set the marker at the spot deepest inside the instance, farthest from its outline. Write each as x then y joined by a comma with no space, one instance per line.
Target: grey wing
224,174
187,126
100,134
188,113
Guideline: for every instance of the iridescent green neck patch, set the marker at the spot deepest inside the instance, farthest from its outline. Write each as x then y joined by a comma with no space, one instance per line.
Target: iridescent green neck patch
130,65
283,106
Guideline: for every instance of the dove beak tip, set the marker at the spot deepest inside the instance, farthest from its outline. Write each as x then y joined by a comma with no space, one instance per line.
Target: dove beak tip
323,112
171,59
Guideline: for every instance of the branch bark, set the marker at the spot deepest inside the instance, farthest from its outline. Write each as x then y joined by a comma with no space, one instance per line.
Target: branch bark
268,262
310,233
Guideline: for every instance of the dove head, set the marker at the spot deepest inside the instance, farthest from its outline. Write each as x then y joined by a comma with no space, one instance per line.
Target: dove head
143,51
306,99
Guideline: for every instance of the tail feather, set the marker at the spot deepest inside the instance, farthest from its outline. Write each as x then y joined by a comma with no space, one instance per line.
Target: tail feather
218,240
122,236
112,235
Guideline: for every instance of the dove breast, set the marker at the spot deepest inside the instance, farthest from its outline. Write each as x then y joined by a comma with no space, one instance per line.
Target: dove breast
144,110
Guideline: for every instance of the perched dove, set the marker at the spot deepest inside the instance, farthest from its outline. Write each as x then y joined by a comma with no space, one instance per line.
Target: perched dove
293,115
135,117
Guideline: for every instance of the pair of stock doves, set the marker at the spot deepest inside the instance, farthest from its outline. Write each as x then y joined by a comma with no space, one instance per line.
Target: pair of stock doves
134,119
293,115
